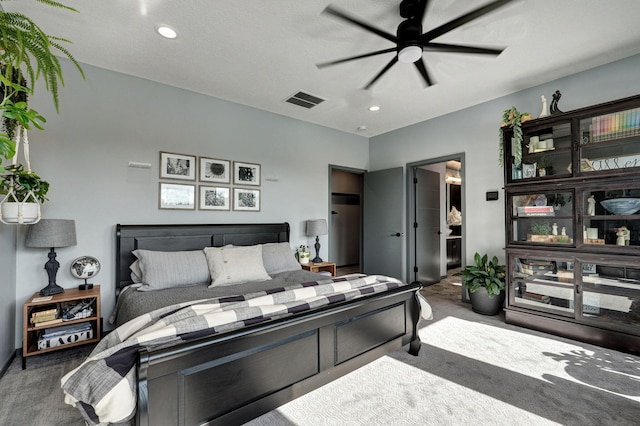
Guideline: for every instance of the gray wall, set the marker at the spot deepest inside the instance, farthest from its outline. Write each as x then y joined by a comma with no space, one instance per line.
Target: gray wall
111,119
7,292
474,131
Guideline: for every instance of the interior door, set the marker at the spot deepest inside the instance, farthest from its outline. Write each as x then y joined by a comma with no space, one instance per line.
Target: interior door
383,212
427,231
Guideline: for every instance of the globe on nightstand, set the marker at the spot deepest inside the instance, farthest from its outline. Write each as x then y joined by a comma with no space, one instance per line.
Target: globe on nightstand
83,268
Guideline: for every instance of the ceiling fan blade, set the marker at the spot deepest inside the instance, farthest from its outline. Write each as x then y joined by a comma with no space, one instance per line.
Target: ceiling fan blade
453,48
351,58
467,17
423,71
386,68
339,14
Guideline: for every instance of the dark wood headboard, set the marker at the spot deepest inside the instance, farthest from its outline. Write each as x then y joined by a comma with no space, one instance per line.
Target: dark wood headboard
188,237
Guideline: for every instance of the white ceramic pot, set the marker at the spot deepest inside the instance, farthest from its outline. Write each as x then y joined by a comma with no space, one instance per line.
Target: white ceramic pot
304,257
20,212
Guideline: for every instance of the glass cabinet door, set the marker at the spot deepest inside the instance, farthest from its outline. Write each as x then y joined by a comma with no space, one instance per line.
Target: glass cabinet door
544,217
610,142
611,293
542,284
611,216
546,153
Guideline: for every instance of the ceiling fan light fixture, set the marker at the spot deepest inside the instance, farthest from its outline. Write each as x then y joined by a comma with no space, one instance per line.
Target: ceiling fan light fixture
410,54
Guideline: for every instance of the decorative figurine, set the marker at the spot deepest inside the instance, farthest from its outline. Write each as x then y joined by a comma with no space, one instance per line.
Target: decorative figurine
591,205
544,112
554,103
620,234
564,231
454,217
554,229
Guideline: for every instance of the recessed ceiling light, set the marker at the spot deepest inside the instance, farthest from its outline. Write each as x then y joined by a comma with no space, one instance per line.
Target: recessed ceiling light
166,31
362,128
374,108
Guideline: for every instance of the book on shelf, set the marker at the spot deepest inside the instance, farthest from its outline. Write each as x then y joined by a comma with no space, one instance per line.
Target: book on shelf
64,339
44,312
536,211
542,298
66,329
46,323
616,125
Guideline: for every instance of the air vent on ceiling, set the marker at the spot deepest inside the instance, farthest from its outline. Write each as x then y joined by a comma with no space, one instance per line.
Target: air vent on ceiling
304,100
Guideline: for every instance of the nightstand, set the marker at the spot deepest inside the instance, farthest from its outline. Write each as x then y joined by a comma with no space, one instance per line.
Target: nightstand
53,307
319,267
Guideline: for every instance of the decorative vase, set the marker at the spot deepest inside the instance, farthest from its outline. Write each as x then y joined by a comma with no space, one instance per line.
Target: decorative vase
482,303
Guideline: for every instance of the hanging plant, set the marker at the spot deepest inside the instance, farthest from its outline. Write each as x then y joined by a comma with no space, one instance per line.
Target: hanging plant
512,118
27,54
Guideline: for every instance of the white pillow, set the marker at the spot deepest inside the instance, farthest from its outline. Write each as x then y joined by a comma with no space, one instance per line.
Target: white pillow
235,265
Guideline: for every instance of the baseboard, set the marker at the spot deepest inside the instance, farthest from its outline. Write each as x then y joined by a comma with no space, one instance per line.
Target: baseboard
6,365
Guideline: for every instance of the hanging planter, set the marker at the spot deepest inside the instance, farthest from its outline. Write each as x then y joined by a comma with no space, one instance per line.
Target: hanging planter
512,118
24,190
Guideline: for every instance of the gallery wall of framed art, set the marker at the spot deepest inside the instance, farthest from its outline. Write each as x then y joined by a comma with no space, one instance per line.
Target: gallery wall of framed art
213,190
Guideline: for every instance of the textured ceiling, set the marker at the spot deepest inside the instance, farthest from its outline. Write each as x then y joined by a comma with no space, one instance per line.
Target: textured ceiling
259,52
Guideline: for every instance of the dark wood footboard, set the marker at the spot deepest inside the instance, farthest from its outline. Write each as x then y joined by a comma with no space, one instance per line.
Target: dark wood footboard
238,376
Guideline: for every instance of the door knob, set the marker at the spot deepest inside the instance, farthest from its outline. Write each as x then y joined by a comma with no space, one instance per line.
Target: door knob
397,234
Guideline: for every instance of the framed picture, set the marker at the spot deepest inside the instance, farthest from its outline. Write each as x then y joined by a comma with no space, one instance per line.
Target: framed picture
246,199
177,166
214,198
528,170
246,173
214,170
177,196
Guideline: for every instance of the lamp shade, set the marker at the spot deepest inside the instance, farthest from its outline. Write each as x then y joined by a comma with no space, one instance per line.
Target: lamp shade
316,227
52,233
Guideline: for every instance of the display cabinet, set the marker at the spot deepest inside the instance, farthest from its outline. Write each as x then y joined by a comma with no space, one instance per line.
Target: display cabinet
572,210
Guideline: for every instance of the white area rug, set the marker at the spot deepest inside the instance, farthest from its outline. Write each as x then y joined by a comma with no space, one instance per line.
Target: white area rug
476,370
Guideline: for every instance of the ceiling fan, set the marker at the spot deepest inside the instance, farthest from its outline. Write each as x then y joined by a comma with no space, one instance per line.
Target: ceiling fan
411,42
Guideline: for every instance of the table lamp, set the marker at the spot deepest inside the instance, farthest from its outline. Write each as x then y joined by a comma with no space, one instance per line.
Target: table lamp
316,227
52,233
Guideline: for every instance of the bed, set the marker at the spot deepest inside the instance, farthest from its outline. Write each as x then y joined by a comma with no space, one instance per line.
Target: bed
235,375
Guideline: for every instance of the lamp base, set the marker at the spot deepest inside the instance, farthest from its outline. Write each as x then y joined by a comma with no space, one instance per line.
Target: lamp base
51,289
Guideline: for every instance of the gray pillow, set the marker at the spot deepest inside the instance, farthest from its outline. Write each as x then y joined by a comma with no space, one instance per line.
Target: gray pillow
167,269
278,257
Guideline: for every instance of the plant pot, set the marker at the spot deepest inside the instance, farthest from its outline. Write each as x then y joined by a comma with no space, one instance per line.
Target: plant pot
30,212
482,303
304,257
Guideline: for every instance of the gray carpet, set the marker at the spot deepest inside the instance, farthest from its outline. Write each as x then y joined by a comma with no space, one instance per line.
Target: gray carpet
472,369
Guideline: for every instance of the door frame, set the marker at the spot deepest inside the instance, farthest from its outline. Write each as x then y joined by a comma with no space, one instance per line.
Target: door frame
330,216
411,207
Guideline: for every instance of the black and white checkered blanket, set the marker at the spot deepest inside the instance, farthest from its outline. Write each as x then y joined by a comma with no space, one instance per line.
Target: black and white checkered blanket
103,388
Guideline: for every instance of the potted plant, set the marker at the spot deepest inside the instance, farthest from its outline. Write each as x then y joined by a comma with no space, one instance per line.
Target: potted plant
303,254
24,192
512,118
485,282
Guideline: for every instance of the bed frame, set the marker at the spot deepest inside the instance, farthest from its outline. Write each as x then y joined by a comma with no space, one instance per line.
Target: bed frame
234,377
